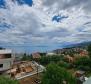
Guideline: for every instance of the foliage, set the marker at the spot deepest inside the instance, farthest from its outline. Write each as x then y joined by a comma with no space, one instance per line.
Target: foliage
89,50
85,68
5,80
26,57
64,64
56,75
83,63
42,54
44,60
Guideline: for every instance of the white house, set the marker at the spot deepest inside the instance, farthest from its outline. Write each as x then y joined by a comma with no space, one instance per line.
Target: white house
6,59
50,54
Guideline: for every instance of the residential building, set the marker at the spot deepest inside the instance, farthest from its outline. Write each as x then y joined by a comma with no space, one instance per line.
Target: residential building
36,55
6,59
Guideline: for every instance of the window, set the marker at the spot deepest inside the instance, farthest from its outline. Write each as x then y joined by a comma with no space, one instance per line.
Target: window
3,56
7,55
1,65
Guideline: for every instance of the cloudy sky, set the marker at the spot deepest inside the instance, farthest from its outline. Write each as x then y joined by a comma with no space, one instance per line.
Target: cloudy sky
43,25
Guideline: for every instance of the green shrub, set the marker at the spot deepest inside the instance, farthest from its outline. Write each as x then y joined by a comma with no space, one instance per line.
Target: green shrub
5,80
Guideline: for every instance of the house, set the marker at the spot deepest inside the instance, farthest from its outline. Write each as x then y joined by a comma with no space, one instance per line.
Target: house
6,59
69,58
79,73
36,55
50,54
84,53
80,76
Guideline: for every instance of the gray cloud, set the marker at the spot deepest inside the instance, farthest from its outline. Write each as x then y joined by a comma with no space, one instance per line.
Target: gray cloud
34,26
67,4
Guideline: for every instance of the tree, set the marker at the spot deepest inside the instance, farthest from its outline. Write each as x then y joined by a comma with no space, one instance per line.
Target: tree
26,57
89,50
83,63
5,80
64,64
56,75
44,60
55,58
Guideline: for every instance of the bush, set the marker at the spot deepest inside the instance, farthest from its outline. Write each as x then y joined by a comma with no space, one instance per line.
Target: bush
83,63
64,64
56,75
44,60
84,68
5,80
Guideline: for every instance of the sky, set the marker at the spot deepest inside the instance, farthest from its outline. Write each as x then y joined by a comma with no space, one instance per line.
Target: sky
44,25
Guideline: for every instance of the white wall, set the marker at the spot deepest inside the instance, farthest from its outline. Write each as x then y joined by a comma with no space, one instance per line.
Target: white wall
6,64
5,51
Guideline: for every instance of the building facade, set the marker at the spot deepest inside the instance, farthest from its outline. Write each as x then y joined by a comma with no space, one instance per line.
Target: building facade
6,59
